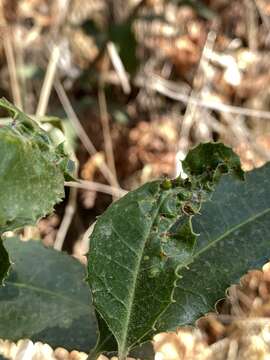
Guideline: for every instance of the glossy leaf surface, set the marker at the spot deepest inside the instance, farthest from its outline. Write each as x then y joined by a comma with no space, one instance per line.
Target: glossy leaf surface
234,238
45,298
32,171
142,239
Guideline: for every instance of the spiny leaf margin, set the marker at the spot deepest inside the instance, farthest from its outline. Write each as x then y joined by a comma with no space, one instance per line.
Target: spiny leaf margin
161,214
32,171
234,238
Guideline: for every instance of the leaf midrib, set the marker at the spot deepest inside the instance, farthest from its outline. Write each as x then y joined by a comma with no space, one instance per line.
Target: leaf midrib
140,257
47,292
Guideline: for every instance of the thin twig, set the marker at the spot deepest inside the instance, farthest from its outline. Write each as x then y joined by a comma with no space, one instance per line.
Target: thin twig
70,210
192,108
106,133
95,186
80,130
14,83
48,82
252,25
105,123
169,89
214,124
119,67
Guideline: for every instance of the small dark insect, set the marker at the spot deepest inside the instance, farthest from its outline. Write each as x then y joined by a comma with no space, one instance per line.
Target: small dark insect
187,209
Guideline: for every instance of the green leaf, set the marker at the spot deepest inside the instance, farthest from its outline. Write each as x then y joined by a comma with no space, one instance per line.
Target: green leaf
140,241
106,342
208,162
142,351
32,171
4,262
234,237
46,298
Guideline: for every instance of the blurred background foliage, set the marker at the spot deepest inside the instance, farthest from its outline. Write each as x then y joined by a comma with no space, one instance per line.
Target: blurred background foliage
136,84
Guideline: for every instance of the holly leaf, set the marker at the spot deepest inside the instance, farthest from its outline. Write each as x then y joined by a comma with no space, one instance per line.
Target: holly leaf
46,298
234,238
141,240
32,171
